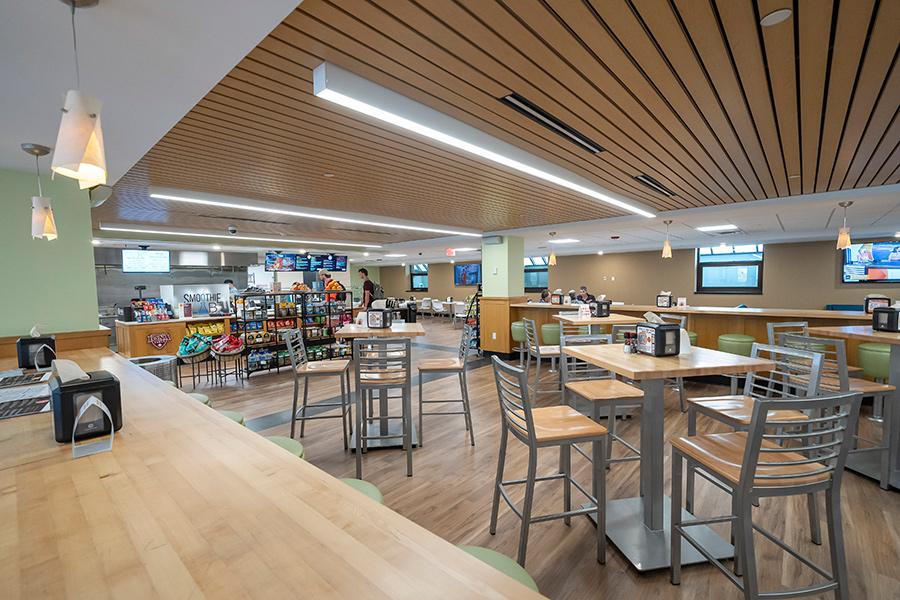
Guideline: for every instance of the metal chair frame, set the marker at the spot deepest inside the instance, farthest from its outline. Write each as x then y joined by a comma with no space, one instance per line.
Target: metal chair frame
678,382
465,345
534,351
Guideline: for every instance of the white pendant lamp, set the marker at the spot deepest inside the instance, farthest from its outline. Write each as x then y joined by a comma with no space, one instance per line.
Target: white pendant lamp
79,144
43,225
667,247
551,260
843,241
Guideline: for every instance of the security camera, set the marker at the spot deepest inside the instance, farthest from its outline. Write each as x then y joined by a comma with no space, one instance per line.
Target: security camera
232,230
420,254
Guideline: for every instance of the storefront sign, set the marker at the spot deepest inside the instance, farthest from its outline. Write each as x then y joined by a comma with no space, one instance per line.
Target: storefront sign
198,296
159,340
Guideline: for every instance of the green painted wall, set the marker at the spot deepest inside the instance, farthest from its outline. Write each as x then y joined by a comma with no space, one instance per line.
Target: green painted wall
503,268
51,283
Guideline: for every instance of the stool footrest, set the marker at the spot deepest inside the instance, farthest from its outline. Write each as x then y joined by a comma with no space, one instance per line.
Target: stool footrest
449,412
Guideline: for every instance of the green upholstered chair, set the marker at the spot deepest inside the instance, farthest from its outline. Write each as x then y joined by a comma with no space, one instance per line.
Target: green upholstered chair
289,444
502,563
369,489
518,336
550,334
233,415
875,360
736,343
201,398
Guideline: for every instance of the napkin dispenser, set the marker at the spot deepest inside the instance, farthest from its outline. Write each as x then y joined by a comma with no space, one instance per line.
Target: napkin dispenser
35,352
69,397
602,308
873,302
379,318
886,319
658,339
556,298
664,300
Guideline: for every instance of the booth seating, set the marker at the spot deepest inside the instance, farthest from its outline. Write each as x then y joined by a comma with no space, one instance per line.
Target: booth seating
502,563
289,444
558,427
518,336
538,352
457,366
233,415
735,343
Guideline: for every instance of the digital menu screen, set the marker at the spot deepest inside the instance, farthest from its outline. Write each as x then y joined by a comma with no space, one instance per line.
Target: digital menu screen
873,262
145,261
340,263
301,262
277,261
281,261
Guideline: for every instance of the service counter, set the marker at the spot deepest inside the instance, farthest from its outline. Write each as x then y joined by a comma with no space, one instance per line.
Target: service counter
154,338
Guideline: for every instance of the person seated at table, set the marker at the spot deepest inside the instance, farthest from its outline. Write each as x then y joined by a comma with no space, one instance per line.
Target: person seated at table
545,296
573,298
584,296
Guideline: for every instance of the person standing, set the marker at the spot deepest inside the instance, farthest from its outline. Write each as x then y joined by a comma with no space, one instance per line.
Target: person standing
368,289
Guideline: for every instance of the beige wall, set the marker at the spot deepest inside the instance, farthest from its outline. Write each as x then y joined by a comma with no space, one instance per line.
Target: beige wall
802,275
395,281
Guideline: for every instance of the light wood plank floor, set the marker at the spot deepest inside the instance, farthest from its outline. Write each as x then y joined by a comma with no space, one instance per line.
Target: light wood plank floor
450,493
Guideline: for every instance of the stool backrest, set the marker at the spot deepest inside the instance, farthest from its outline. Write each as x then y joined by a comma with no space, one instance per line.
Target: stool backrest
296,347
823,446
426,304
795,375
618,332
515,407
382,362
673,319
776,330
569,328
834,377
531,338
465,343
437,306
573,369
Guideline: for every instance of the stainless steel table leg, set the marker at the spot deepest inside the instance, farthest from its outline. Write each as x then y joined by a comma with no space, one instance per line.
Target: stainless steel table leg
652,449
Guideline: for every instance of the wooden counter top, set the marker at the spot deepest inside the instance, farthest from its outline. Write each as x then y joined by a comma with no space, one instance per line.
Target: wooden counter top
397,330
182,320
189,504
798,313
863,333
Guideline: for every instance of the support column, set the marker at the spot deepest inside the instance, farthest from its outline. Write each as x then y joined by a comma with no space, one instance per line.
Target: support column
503,277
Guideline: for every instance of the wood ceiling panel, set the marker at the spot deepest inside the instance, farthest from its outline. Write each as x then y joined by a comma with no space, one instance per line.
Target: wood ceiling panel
694,93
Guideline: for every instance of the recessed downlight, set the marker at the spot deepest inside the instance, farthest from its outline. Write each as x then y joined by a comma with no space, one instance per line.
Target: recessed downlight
329,175
599,252
775,17
723,227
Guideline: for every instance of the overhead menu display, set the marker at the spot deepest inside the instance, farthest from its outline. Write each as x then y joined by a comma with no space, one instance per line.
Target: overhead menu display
145,261
280,261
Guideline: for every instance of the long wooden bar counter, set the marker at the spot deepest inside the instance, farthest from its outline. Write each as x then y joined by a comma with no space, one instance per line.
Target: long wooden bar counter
189,504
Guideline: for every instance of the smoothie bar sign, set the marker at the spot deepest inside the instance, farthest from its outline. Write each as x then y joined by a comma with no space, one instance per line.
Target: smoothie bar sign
198,296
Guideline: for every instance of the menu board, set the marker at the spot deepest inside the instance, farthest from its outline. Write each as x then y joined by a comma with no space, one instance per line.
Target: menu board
145,261
277,261
301,262
280,261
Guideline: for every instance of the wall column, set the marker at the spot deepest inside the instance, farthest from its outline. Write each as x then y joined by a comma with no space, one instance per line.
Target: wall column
503,277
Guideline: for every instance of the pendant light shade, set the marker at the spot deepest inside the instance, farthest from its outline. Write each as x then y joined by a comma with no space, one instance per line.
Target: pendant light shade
79,145
843,241
552,260
43,224
667,247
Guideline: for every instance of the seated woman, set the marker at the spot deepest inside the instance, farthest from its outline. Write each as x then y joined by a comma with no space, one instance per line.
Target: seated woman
545,296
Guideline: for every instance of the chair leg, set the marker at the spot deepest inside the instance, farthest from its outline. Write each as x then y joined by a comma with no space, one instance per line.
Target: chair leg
527,504
294,406
421,408
598,456
675,535
537,376
360,428
611,422
501,460
814,527
305,401
565,467
343,412
836,542
349,402
680,383
748,555
886,432
407,428
689,486
468,407
738,566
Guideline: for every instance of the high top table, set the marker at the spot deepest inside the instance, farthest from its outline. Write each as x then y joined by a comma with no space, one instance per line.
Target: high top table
639,527
867,462
384,425
595,322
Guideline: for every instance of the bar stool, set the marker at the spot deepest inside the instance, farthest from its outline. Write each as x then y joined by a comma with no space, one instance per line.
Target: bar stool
303,369
455,366
502,563
735,343
678,382
538,352
754,466
201,398
518,336
550,426
601,389
875,361
382,365
290,444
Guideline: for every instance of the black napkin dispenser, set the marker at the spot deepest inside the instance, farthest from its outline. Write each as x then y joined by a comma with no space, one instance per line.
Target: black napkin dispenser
664,301
68,398
35,352
886,319
602,309
379,318
658,339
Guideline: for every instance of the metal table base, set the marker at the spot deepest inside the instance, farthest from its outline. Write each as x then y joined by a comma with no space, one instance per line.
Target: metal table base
394,428
869,465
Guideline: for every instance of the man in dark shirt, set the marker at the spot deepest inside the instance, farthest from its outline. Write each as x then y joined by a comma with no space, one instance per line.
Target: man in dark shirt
368,289
584,296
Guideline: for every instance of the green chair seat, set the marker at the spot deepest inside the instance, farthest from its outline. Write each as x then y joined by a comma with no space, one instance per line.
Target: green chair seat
875,360
736,343
201,398
169,382
289,444
693,336
518,331
369,489
550,334
233,415
502,563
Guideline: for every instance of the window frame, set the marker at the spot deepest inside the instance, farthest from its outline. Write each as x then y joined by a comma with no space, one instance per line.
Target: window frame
542,266
699,288
414,273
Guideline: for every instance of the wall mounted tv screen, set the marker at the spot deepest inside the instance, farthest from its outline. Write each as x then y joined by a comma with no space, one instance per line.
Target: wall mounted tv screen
145,261
873,262
284,261
464,275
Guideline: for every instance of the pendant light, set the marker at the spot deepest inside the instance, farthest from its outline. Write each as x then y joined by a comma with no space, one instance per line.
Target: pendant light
843,241
43,225
79,143
551,260
667,247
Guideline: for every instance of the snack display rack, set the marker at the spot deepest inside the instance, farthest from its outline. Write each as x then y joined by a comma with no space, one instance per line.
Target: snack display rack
262,318
473,319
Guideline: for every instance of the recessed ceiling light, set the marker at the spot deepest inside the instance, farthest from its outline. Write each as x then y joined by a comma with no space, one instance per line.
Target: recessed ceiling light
725,227
328,175
304,215
402,264
563,241
365,253
233,237
351,91
775,17
599,252
452,262
96,242
394,255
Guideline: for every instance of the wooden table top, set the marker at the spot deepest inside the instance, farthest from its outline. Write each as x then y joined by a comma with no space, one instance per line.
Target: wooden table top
398,330
612,319
191,504
700,361
856,332
798,313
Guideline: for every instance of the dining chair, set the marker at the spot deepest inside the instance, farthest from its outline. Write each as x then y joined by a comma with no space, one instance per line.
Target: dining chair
538,352
437,308
453,366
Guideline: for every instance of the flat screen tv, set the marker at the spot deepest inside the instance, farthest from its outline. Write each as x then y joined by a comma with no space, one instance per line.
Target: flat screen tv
467,275
145,261
872,262
278,261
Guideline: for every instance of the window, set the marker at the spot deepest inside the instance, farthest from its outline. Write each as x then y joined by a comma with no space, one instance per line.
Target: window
536,279
727,269
418,277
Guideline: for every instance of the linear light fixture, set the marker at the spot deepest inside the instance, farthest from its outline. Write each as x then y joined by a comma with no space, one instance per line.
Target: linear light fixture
542,117
465,249
351,91
305,215
233,237
726,227
394,255
563,241
654,185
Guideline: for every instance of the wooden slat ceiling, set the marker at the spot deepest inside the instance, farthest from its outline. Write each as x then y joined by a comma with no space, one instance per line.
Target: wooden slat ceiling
694,93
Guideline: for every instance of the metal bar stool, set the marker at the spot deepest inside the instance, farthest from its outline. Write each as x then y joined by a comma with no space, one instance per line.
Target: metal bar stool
455,366
678,382
302,368
758,464
382,365
551,426
537,352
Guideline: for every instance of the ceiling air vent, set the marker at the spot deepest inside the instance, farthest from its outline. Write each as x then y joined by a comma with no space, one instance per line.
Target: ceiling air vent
542,117
654,185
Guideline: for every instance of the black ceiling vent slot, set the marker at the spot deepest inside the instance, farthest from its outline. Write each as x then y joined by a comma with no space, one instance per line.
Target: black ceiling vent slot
542,117
654,185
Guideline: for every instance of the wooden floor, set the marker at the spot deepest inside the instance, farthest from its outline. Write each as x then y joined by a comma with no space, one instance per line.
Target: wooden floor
450,493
